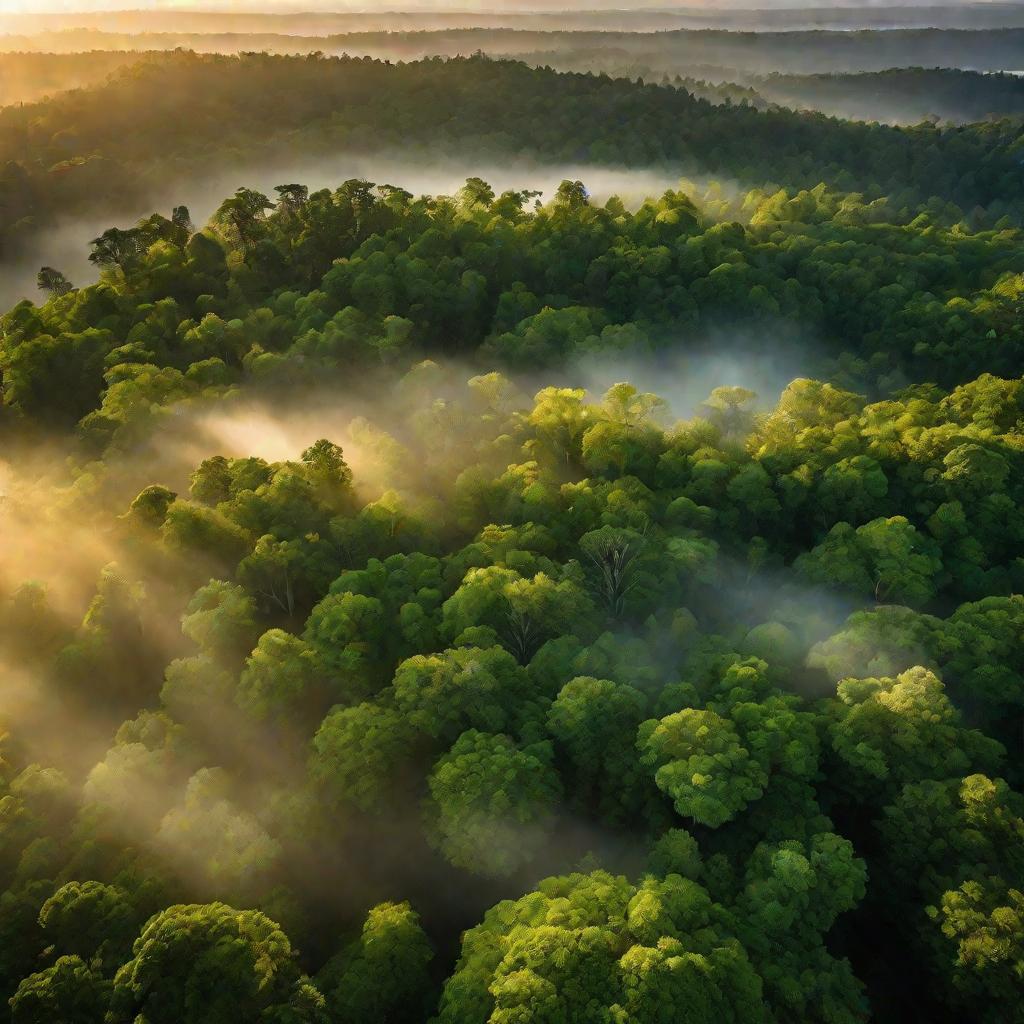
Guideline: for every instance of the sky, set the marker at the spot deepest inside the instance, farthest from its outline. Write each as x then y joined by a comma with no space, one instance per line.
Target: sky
64,6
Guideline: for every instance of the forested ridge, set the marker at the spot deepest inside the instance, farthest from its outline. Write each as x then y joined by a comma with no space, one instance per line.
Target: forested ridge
377,647
903,95
911,94
805,50
32,76
121,145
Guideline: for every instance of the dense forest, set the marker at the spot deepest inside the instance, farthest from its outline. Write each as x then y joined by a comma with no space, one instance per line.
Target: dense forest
897,95
894,96
506,606
160,120
906,95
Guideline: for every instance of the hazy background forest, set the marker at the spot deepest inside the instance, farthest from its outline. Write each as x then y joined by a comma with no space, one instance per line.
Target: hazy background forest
511,516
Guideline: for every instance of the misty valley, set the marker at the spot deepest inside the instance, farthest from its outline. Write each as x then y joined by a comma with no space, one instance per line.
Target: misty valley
512,517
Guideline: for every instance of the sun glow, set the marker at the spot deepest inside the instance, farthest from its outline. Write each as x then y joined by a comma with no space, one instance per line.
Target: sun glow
73,7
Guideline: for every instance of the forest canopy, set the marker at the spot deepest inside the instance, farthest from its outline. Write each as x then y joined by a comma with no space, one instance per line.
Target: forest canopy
159,120
455,609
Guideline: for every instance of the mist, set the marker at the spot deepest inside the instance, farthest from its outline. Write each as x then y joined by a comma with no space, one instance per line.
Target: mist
68,519
66,245
325,16
371,551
